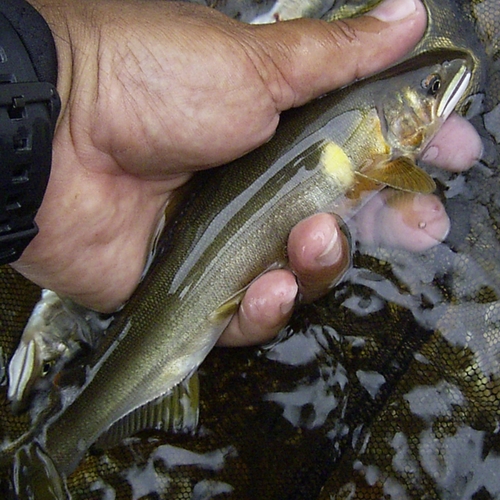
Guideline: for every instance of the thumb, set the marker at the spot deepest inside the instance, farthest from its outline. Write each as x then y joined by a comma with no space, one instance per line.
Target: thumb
302,59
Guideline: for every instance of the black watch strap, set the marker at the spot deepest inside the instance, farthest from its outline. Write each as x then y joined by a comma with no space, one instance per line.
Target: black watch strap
29,107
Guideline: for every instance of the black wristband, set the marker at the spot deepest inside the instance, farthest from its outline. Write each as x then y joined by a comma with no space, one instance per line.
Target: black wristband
29,107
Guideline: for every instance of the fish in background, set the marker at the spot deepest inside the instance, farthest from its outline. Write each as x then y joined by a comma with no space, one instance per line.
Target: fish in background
270,11
57,330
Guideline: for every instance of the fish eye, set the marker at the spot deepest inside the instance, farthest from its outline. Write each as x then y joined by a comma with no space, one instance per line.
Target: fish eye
46,367
432,84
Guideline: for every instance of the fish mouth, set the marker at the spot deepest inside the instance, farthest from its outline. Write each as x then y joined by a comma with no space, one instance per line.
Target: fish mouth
455,90
21,369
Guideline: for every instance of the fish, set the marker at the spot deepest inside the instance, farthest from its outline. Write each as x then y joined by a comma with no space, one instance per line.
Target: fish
57,330
236,228
284,10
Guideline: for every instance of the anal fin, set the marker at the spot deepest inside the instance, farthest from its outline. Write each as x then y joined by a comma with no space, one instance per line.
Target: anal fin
176,411
228,308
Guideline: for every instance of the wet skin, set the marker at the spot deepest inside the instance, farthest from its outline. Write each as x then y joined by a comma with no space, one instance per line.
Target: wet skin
146,103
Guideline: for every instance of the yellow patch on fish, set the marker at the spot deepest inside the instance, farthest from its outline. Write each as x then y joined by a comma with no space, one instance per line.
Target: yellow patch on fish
337,164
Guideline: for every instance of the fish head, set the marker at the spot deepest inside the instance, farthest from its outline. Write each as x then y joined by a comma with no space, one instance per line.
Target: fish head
31,364
416,104
49,337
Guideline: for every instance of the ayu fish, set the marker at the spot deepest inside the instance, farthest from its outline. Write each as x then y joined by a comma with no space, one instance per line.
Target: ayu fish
55,333
236,228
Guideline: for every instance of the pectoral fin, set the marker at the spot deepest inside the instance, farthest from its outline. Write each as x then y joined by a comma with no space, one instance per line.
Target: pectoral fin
400,173
228,308
177,411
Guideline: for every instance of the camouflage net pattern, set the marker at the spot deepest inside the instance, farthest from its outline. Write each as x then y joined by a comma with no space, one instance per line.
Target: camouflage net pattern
388,388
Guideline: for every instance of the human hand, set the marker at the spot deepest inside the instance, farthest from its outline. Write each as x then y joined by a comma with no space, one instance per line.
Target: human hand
152,92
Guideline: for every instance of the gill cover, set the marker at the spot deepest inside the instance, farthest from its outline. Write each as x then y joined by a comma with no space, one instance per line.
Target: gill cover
411,115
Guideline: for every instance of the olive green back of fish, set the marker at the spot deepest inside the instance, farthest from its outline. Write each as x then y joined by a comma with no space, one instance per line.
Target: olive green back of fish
449,26
239,474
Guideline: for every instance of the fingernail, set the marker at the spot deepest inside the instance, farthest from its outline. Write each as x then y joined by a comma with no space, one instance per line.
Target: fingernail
331,254
431,154
393,10
287,305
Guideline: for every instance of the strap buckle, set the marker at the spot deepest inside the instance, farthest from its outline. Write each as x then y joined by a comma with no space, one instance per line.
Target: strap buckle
16,96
